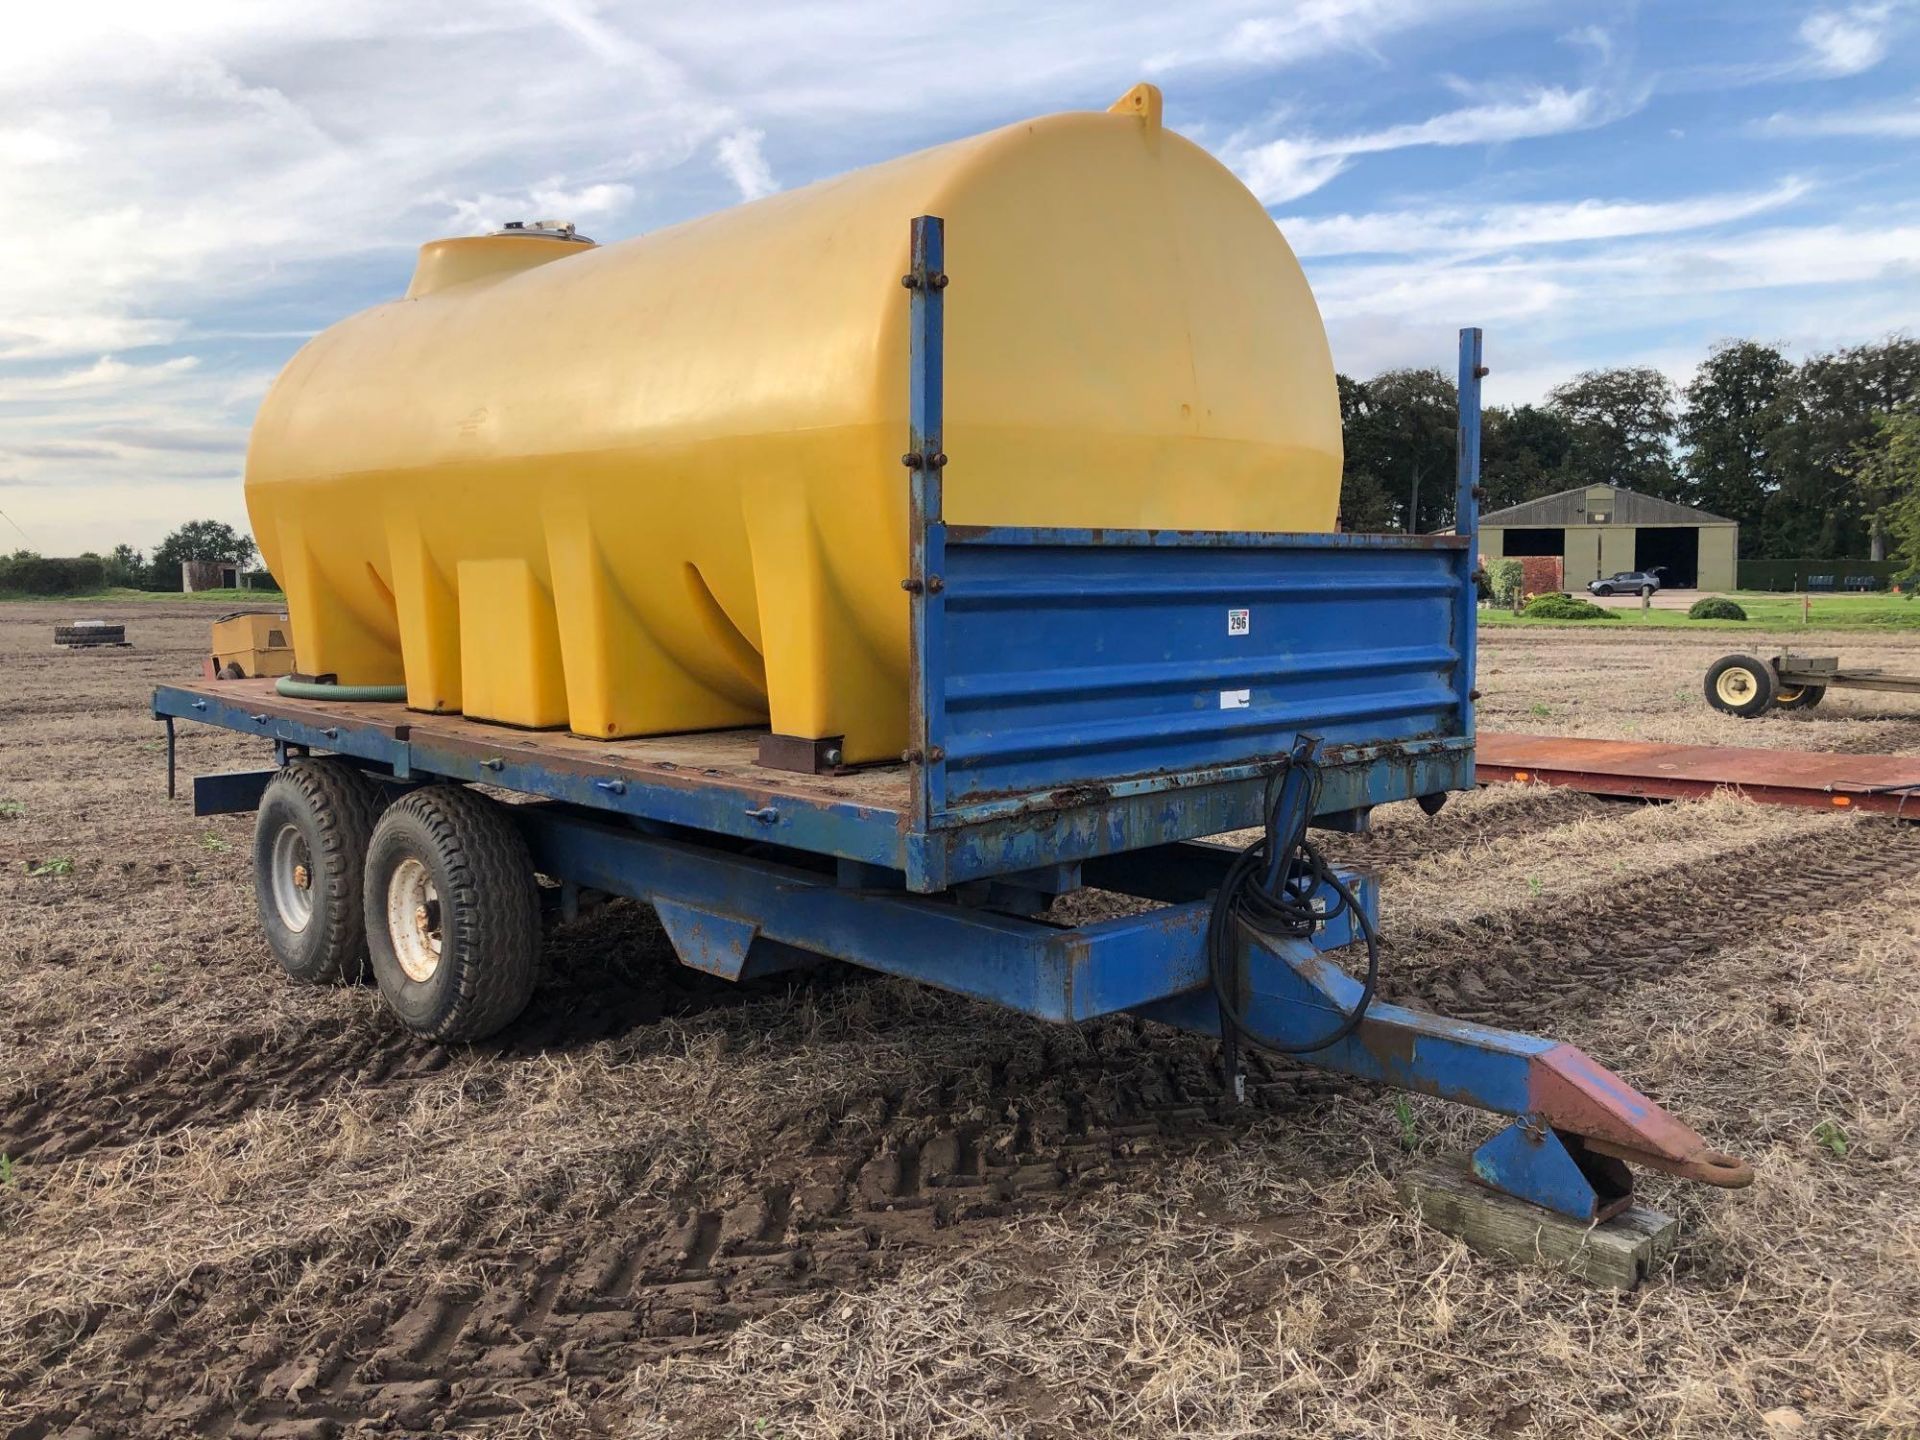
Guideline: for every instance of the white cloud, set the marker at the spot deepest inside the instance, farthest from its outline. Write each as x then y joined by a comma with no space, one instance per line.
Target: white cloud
1591,37
739,156
1509,289
106,373
1492,228
1284,169
1846,42
220,177
1898,121
1307,29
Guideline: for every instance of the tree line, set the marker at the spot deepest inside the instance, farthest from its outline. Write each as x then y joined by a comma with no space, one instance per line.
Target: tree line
26,572
1816,460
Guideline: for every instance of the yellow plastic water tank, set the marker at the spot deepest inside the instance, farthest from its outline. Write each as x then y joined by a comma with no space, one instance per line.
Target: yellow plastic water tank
655,486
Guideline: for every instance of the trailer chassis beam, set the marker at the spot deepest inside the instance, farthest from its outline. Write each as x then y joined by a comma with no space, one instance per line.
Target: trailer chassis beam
737,916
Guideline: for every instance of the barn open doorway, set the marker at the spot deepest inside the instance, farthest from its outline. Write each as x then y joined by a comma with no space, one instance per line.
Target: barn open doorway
1517,543
1674,549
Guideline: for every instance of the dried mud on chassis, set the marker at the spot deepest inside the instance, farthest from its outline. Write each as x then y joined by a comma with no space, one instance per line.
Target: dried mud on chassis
841,1205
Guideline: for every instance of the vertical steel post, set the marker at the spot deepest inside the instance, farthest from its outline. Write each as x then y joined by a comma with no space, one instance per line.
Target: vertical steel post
1466,515
926,283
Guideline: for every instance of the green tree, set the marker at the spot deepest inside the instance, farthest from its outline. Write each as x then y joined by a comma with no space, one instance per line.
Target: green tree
196,540
1887,472
1363,498
125,566
1623,426
1400,437
1734,433
1523,454
1822,509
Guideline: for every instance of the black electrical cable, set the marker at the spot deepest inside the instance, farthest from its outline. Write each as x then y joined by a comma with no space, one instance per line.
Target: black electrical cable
1245,901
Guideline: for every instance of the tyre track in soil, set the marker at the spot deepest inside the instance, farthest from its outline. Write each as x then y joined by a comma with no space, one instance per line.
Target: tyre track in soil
890,1176
1524,967
121,1099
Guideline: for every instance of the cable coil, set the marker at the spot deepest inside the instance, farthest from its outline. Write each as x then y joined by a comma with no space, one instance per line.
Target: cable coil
1269,890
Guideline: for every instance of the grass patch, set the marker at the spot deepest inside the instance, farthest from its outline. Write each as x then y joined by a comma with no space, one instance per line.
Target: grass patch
138,597
1764,611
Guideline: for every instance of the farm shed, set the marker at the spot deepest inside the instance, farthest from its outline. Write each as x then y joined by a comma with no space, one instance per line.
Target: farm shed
1600,530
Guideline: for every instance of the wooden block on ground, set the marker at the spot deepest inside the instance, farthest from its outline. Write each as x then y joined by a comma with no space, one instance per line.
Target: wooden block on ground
1618,1253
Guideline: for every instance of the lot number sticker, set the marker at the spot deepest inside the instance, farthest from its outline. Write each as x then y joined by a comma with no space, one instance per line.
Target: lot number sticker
1239,622
1235,699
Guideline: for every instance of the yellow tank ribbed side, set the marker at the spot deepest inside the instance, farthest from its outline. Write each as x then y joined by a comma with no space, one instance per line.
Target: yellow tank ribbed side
656,486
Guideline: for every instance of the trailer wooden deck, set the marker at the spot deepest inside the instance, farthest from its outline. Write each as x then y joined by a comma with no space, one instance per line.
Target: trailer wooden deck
1878,784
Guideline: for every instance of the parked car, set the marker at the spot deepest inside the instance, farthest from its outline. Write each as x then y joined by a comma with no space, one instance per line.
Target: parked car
1627,582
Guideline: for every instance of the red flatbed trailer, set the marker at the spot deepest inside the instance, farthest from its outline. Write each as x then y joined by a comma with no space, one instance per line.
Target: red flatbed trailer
1877,784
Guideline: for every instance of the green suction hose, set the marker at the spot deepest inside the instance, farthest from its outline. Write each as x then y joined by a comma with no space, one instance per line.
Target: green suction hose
313,690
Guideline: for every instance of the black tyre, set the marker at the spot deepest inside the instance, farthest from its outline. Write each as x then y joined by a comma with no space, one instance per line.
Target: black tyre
1603,590
1740,685
1645,591
310,840
452,914
1799,697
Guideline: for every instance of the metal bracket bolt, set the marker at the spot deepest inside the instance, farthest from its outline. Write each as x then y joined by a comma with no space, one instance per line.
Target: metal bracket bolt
935,281
915,460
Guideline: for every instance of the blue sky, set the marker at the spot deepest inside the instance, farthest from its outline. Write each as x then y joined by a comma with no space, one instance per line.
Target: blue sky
194,188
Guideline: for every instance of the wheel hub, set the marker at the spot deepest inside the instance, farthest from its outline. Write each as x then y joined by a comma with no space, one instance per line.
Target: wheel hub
292,874
413,920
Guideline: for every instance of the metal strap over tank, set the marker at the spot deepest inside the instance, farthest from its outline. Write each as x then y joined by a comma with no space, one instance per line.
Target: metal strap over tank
1466,512
926,282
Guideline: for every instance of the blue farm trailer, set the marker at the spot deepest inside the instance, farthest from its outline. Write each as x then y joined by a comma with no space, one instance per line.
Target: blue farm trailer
1067,730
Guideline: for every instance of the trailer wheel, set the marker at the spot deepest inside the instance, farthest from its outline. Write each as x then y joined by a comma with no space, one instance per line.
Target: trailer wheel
1799,697
310,841
1740,685
452,914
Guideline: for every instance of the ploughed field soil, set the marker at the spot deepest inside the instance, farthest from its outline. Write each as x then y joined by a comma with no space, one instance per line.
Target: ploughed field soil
847,1206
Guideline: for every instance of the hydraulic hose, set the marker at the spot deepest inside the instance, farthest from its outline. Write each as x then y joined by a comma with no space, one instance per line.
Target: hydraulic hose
294,689
1269,890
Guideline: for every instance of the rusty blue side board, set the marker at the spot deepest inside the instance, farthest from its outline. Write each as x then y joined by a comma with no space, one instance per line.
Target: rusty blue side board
1053,667
1085,658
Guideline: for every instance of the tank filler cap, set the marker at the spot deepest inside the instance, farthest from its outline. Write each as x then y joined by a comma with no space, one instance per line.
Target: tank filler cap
1143,100
444,264
545,229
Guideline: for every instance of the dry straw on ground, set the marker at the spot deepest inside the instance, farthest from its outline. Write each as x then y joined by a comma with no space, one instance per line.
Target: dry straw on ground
849,1207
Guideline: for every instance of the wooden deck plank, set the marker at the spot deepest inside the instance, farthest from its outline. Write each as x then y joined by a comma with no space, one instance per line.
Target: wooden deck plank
726,758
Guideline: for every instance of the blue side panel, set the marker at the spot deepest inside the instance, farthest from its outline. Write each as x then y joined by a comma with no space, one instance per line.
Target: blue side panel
1080,658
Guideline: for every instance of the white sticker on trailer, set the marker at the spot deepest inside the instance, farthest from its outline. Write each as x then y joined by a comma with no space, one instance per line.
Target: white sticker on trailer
1239,622
1235,699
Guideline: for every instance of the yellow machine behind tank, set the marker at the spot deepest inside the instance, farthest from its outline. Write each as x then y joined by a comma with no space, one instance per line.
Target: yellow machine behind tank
250,644
656,486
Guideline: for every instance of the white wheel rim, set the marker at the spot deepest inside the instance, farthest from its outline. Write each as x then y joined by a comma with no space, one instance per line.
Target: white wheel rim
292,869
413,920
1736,686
